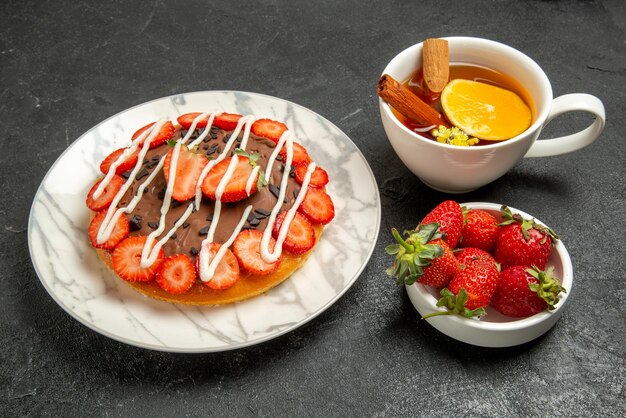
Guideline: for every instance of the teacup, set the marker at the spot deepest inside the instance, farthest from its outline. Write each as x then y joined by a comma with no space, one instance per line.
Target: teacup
455,169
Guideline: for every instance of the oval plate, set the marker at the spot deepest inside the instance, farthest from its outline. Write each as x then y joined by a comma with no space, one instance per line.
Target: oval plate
82,285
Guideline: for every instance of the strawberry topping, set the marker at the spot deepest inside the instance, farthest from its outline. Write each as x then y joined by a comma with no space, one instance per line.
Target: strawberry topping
109,192
176,274
227,121
317,206
120,231
126,260
188,170
227,271
300,155
269,129
300,236
319,177
235,190
187,119
166,133
126,165
247,249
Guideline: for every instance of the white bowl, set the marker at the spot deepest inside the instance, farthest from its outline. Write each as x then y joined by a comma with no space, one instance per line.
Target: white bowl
495,329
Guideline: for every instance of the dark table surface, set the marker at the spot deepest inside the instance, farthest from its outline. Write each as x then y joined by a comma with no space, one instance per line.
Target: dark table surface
65,66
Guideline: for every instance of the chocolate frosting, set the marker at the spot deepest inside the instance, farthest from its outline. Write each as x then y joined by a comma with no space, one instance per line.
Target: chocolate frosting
188,238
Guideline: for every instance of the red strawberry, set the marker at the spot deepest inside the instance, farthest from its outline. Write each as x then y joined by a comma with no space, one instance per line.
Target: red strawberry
319,177
126,260
480,229
120,231
317,206
176,274
186,120
479,279
104,200
227,271
227,121
300,155
449,216
300,236
235,190
422,257
467,256
269,129
522,242
188,169
247,249
166,133
523,292
128,164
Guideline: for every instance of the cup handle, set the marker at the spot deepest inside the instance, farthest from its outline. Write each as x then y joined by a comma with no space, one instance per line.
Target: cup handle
564,144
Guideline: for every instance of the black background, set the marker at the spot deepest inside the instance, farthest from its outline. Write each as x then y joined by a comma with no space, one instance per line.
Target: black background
65,66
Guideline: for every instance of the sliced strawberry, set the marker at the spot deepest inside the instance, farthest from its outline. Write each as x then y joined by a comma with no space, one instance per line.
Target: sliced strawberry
126,260
120,231
128,164
226,121
166,133
188,170
299,154
317,206
319,177
300,236
269,129
235,190
227,271
247,249
109,192
187,119
176,274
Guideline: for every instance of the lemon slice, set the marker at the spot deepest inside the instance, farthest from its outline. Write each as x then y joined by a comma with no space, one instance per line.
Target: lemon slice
485,111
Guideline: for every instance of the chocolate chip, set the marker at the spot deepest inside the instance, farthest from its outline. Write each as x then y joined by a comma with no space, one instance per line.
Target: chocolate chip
275,190
204,230
210,217
184,132
213,134
186,225
145,162
295,193
173,236
214,129
200,131
226,138
153,225
206,139
176,203
251,216
282,168
247,227
205,147
155,158
135,223
292,171
152,163
126,175
255,222
193,251
143,173
279,158
162,194
264,213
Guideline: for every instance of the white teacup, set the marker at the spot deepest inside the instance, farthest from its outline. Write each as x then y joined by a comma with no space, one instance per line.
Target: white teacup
455,169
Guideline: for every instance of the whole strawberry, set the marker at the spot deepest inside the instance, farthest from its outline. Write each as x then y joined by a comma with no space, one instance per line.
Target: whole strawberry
470,290
449,216
522,291
467,256
423,257
480,229
522,242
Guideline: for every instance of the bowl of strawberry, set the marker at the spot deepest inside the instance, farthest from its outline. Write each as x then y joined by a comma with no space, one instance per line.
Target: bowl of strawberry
483,273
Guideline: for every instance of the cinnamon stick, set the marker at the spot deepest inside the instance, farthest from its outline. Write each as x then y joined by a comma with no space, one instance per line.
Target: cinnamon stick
408,104
435,65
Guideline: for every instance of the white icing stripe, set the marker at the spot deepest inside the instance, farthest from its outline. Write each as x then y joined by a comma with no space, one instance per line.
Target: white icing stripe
106,229
208,266
285,139
204,134
252,178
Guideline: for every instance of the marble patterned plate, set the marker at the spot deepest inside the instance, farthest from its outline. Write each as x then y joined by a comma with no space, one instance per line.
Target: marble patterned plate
80,283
